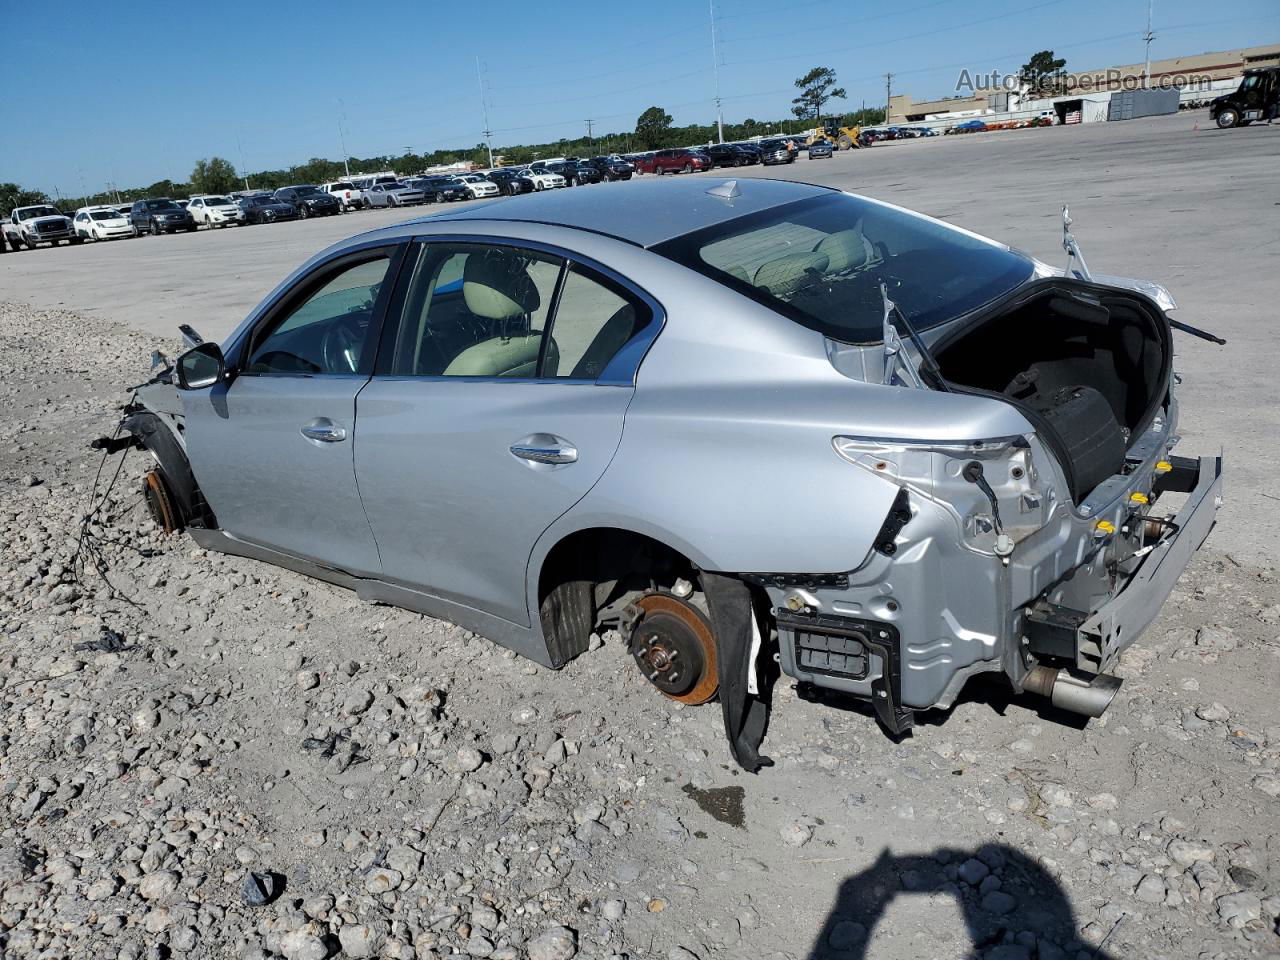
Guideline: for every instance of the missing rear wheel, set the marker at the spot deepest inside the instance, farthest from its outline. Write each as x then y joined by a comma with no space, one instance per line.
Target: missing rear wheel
674,648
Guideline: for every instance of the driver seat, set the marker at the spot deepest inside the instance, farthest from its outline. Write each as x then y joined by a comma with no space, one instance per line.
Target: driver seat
496,286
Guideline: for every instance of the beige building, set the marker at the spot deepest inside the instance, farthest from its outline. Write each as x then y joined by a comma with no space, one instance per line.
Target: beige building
1199,71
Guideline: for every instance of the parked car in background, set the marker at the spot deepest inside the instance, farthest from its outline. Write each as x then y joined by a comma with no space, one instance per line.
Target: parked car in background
680,160
159,216
820,150
543,179
444,189
309,200
477,186
509,182
101,223
613,168
41,223
727,155
586,172
347,193
214,210
265,208
393,195
968,126
773,152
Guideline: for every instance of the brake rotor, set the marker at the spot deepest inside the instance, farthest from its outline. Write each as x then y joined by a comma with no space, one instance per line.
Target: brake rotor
158,503
675,649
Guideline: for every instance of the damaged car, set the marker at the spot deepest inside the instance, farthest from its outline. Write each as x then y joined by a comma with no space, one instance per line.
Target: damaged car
759,428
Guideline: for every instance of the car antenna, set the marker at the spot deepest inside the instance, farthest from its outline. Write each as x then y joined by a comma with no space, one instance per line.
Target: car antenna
726,191
1073,249
893,348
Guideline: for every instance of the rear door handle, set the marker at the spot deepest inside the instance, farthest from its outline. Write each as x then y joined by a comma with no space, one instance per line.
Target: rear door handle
324,430
545,448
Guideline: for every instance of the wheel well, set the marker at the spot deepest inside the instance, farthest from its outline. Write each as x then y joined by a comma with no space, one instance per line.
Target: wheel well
591,575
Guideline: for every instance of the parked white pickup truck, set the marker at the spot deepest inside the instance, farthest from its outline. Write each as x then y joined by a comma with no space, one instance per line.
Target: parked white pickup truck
42,223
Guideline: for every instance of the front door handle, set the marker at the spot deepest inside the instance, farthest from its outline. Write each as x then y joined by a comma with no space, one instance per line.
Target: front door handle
545,448
324,430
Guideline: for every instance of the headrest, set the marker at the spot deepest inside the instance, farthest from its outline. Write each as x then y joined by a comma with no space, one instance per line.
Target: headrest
847,249
788,274
496,285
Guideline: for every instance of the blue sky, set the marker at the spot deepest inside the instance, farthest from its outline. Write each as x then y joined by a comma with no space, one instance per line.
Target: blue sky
144,88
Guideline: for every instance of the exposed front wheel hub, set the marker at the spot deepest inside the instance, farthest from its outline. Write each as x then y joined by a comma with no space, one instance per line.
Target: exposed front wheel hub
160,506
674,648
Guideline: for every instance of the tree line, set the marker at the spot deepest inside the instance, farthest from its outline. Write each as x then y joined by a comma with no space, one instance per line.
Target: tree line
653,131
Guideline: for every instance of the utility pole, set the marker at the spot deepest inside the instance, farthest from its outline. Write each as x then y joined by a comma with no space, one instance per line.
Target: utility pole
590,141
888,95
1148,37
484,106
342,137
715,68
243,170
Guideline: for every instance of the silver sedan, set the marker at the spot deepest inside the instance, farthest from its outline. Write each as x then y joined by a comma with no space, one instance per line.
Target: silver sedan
393,195
755,427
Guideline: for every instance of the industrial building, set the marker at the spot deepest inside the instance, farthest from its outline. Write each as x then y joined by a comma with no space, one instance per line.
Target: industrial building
1086,95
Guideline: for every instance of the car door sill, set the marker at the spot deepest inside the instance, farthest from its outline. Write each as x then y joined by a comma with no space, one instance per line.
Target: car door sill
523,640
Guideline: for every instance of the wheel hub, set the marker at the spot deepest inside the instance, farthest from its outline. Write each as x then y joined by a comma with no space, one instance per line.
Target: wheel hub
158,503
674,648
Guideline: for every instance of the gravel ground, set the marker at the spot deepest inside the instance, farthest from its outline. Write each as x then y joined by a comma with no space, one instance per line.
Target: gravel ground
195,734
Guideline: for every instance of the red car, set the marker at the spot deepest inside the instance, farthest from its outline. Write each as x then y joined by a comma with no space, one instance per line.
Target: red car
673,161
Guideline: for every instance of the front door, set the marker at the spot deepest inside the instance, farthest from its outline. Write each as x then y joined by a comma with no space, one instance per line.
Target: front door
487,418
273,449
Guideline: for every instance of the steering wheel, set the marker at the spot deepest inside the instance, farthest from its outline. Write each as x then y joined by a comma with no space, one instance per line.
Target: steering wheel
343,343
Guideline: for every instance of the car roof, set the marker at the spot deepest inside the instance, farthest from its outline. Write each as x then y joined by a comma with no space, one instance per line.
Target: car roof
641,212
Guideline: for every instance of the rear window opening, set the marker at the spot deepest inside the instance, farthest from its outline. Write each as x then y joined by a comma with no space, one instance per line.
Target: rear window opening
821,262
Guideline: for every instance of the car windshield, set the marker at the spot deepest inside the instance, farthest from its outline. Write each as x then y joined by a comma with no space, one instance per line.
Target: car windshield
306,191
1251,81
217,201
821,262
30,212
162,205
104,215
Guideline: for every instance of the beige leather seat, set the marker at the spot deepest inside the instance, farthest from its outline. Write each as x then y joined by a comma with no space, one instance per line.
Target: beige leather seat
496,286
788,274
845,250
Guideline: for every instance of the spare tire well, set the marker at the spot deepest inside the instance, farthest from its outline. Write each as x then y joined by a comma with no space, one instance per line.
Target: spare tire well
591,575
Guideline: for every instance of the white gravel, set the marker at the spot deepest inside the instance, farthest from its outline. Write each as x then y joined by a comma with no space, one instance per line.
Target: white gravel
412,791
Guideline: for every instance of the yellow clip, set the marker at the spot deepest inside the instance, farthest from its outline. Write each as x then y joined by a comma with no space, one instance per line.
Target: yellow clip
1163,466
1139,498
1104,526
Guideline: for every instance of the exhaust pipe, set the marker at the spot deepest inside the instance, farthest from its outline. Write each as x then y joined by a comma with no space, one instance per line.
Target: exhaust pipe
1088,694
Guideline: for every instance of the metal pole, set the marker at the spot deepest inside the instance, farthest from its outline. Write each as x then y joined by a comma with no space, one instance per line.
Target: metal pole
484,106
888,95
1148,37
715,67
342,137
244,173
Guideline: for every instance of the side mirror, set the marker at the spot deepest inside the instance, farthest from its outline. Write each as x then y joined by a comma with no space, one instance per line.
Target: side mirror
201,366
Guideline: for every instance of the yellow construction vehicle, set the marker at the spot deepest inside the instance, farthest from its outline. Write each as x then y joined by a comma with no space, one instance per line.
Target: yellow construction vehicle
843,138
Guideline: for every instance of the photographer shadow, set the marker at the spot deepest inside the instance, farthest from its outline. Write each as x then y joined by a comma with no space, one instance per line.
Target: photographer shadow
1026,898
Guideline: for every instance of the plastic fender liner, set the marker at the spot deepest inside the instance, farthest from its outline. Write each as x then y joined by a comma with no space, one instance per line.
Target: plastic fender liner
746,715
160,441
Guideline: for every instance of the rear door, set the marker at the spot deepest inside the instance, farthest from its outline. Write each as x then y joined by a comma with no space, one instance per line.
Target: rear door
495,406
273,450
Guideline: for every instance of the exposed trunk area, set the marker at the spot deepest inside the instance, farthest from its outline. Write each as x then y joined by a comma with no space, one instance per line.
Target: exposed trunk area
1089,364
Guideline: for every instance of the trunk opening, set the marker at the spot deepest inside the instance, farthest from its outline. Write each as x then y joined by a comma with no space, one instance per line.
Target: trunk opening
1088,364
